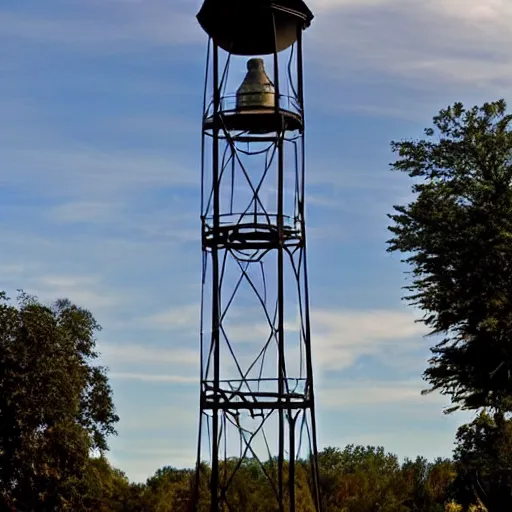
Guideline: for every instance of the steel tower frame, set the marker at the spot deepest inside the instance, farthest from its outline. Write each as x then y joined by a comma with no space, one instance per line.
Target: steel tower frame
255,373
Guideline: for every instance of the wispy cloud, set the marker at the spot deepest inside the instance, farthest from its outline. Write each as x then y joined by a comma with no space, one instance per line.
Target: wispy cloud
86,211
85,290
341,337
130,218
88,171
150,417
365,393
403,59
112,23
146,354
321,6
181,317
477,24
146,377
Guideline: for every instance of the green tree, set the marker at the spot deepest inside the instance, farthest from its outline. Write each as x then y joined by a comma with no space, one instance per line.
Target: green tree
108,489
169,490
360,479
456,235
55,405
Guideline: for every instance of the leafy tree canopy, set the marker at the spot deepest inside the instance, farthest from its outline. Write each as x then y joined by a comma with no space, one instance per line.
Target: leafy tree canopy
456,235
483,458
55,405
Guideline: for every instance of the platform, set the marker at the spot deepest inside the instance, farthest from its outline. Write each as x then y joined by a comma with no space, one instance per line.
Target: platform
228,395
256,121
249,236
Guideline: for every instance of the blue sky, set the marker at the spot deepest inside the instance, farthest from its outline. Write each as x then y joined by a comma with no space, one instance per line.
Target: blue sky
100,106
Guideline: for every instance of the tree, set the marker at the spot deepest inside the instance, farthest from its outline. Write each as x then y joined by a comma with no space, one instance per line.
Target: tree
169,490
427,484
456,235
55,405
360,479
108,489
483,457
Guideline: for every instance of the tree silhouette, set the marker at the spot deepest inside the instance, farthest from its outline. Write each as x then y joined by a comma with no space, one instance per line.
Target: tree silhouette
456,236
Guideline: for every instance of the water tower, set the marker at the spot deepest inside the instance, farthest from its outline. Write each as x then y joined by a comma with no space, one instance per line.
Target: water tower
257,406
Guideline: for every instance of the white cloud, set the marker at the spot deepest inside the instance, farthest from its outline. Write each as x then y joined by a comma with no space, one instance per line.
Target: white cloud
149,377
479,11
340,337
319,7
67,282
176,318
10,270
146,354
405,59
364,393
88,291
82,172
172,223
86,211
156,125
153,417
436,41
240,328
341,175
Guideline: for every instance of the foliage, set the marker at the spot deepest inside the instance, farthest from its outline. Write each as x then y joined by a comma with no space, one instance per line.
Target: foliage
483,458
55,406
109,490
168,490
456,236
355,479
364,478
428,484
452,506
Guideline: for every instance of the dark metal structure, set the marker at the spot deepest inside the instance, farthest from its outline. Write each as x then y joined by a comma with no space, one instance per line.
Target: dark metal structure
257,407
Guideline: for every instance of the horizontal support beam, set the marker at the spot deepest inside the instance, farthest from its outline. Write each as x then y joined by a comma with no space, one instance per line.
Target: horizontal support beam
254,406
250,245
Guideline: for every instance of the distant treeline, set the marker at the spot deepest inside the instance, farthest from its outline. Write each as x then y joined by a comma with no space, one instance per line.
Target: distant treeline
355,479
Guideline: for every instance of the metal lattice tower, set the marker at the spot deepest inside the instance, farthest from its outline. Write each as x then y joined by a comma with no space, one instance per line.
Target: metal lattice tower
257,408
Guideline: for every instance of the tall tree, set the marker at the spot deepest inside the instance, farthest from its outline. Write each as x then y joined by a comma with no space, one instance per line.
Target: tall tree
456,235
55,404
